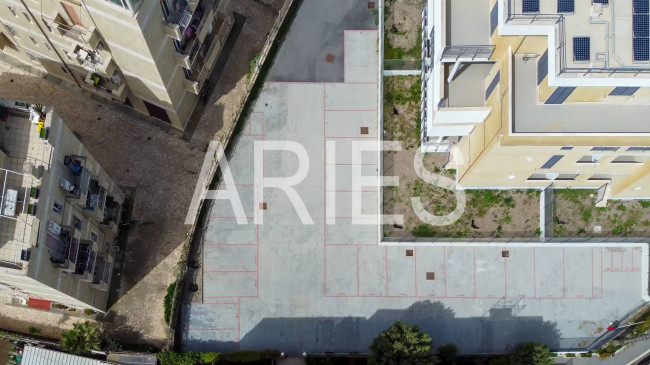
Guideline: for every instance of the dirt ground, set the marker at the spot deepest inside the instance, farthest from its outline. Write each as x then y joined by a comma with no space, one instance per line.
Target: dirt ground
403,28
488,213
160,167
576,216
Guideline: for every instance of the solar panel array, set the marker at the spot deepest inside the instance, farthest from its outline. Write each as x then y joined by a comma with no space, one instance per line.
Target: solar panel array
581,48
565,6
530,6
641,30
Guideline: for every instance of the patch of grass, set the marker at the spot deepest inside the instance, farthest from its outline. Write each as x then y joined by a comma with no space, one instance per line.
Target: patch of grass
621,207
645,204
34,331
167,302
507,219
424,231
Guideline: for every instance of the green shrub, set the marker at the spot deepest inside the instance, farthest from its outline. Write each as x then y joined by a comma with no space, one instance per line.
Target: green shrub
33,330
241,356
588,354
209,357
89,312
268,353
174,358
169,299
570,355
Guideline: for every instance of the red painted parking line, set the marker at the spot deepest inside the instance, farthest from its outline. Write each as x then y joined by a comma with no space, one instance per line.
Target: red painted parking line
351,110
228,271
474,249
563,274
534,274
212,329
386,253
444,261
230,244
415,262
358,277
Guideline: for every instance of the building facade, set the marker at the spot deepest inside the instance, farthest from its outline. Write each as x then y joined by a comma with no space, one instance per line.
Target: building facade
60,213
154,56
539,93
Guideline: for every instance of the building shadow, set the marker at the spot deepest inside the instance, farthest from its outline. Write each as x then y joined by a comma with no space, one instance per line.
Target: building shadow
497,331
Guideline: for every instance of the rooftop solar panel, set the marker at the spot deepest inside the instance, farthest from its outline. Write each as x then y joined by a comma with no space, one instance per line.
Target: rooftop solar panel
581,48
640,24
530,6
641,48
565,6
640,6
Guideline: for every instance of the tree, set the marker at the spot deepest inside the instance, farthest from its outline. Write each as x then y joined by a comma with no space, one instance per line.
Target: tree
83,337
531,353
447,354
402,345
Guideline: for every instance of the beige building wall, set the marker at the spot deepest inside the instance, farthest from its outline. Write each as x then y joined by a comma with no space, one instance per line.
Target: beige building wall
139,58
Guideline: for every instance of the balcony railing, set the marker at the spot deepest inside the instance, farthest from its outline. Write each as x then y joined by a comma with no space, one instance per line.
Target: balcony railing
76,33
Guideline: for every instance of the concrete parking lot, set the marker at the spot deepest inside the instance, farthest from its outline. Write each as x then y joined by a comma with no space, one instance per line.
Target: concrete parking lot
331,286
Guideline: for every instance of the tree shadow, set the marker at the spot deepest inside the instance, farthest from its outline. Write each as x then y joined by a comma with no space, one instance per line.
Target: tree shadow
497,331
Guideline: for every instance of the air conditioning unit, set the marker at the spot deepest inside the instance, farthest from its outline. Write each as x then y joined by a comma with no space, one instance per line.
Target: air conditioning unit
54,228
67,185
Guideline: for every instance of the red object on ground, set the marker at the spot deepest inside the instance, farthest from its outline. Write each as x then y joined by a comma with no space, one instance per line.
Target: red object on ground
39,304
610,328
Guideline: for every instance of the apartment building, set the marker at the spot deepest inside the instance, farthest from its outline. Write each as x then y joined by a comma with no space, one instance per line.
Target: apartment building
59,213
539,93
154,56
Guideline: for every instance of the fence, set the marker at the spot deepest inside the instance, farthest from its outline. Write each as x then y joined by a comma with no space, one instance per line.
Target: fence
255,83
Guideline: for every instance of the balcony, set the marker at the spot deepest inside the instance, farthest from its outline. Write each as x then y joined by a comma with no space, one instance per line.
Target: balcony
112,87
76,33
63,245
112,215
207,53
95,201
179,14
98,61
101,276
75,180
85,263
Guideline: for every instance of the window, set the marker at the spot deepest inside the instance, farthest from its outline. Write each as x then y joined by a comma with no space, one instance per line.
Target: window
31,57
64,70
542,67
12,10
605,148
567,148
93,236
589,159
27,17
11,30
560,95
630,159
623,91
33,40
567,177
639,149
494,18
47,46
77,223
600,177
493,85
57,207
552,161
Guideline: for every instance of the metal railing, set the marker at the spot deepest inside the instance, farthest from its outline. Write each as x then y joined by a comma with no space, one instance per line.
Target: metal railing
467,52
561,63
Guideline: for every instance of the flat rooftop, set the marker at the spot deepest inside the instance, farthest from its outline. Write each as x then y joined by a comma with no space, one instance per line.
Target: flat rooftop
322,287
530,116
609,28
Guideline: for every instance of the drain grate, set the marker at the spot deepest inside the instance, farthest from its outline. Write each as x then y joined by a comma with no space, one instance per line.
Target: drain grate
364,130
505,253
330,58
409,252
263,206
371,5
431,276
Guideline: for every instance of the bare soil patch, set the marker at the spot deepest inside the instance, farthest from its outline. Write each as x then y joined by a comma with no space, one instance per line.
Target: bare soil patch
577,216
488,213
402,29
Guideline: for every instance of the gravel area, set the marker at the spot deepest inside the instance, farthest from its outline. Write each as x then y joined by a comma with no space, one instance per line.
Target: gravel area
159,167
